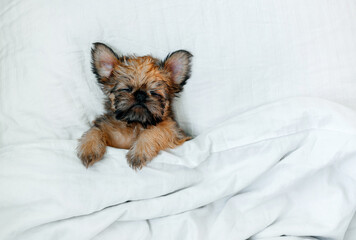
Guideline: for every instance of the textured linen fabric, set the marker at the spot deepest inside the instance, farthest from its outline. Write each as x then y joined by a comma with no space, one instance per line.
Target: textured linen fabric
270,159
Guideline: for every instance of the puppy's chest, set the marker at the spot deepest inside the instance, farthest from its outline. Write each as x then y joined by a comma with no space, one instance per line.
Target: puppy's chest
123,137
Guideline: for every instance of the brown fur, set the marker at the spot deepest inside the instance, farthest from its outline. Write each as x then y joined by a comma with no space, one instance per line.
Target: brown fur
138,114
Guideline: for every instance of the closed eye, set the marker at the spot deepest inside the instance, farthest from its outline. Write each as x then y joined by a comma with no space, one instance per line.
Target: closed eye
153,93
128,89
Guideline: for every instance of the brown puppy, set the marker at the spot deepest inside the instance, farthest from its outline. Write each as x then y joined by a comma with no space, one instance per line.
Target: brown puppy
138,116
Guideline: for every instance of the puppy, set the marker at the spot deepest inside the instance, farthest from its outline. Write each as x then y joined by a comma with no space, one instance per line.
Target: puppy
138,114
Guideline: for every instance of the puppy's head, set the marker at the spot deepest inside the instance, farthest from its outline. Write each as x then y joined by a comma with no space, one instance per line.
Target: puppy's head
140,89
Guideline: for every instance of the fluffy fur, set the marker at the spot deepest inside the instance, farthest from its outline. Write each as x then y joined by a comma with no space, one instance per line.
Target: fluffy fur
138,117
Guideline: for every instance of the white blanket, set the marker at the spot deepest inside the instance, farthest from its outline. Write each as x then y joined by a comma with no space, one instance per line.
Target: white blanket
280,171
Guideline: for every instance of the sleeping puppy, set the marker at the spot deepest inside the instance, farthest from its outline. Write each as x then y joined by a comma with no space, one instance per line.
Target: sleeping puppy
138,117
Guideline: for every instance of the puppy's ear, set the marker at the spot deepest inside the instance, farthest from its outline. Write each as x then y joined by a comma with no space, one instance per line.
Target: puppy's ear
104,61
178,64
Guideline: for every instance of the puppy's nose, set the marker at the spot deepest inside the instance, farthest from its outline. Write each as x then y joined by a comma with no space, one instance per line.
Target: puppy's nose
140,96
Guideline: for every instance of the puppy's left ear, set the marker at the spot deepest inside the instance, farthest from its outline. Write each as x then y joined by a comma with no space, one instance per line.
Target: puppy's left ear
178,64
104,60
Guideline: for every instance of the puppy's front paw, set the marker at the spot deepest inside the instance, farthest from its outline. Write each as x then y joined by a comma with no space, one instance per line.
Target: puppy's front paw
90,150
89,158
137,159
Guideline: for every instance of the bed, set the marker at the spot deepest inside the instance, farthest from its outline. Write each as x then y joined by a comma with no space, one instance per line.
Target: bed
271,106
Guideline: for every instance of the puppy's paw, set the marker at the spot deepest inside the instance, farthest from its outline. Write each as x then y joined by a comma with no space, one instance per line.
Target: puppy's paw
137,160
90,150
89,158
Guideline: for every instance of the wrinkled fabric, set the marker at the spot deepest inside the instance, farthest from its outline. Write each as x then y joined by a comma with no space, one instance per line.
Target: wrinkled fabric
258,175
246,54
262,164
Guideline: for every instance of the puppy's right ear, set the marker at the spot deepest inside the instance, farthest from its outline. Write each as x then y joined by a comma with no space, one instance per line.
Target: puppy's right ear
104,61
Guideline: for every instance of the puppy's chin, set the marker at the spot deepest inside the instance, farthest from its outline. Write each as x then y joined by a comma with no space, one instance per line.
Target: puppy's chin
138,114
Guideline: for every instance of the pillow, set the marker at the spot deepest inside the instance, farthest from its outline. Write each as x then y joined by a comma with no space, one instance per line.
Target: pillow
246,53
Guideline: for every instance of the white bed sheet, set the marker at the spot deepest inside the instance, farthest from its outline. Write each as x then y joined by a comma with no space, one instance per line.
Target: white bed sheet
246,54
259,175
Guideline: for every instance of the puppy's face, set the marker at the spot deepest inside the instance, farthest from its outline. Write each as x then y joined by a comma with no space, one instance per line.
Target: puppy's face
140,89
